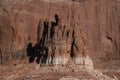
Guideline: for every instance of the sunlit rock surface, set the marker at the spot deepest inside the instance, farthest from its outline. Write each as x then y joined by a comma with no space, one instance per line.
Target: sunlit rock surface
57,31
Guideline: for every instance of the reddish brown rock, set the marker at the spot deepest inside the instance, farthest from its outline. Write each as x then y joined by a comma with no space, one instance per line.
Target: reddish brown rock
60,30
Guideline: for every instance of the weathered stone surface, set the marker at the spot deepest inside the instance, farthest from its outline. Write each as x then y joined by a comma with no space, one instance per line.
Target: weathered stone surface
60,30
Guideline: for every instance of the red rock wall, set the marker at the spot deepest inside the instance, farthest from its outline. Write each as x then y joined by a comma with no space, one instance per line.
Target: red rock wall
92,28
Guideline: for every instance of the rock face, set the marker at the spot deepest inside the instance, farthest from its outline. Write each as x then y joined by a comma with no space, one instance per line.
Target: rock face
57,31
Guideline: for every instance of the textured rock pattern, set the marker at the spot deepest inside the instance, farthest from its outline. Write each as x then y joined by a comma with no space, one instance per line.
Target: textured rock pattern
62,29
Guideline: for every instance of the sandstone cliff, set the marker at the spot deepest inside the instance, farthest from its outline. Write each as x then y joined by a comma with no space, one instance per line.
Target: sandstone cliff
83,31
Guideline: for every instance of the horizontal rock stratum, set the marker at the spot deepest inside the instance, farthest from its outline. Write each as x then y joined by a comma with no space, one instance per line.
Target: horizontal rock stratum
57,31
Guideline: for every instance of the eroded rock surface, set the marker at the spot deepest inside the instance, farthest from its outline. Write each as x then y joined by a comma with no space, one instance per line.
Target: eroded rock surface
60,30
22,70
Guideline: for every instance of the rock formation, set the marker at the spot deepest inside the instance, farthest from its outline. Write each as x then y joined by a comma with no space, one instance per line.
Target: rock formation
57,31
